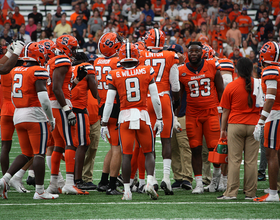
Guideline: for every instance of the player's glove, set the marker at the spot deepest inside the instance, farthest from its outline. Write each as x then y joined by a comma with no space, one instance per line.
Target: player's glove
82,72
18,46
177,125
257,131
52,124
71,117
158,126
104,131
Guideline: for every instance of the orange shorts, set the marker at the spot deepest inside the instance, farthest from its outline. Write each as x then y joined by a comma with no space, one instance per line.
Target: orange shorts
271,135
167,115
7,128
144,136
8,108
113,131
32,137
83,129
208,125
63,134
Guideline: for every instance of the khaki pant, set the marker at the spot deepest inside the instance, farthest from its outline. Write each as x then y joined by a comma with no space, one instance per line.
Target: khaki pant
206,165
181,159
240,138
91,152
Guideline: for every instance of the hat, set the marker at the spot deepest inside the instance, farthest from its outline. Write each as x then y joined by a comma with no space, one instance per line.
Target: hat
221,10
90,36
236,48
91,57
174,22
172,3
176,48
142,24
244,9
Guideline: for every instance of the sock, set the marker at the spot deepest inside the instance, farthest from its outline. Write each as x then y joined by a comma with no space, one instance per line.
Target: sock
198,179
141,182
150,179
60,177
166,168
272,192
55,162
126,187
54,179
112,183
20,173
49,161
216,172
31,173
70,161
7,177
70,179
104,178
131,181
40,189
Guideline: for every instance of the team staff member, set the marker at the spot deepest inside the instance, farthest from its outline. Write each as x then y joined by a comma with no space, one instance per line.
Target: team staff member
241,115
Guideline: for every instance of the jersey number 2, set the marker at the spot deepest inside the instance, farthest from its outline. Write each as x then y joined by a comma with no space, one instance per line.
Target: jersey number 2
17,93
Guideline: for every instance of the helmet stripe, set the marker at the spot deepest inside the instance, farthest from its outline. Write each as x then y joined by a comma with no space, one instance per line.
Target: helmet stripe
26,49
128,50
157,38
276,57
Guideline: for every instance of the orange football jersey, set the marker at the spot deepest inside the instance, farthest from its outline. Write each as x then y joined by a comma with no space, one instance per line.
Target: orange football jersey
132,86
199,85
102,66
226,64
272,73
162,63
203,39
53,63
8,107
79,95
23,85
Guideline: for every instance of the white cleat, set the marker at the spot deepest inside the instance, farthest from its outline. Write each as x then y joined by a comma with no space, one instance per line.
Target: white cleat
198,190
166,186
127,196
45,195
16,182
221,187
4,187
73,190
213,186
266,191
53,189
150,190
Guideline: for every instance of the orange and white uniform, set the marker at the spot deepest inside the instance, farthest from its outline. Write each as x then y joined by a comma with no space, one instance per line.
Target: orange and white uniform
227,70
132,86
63,134
202,116
29,118
7,110
102,66
162,62
79,99
271,74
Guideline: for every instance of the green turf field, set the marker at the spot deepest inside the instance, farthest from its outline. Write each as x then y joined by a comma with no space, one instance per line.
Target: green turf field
98,205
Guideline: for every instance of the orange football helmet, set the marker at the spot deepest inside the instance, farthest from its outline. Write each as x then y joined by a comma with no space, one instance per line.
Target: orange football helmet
269,53
155,39
34,52
140,45
207,51
129,52
67,44
109,44
49,47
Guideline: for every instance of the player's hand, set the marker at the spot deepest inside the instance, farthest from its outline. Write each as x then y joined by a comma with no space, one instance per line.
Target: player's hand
71,117
82,72
158,126
177,125
52,124
104,131
18,45
257,132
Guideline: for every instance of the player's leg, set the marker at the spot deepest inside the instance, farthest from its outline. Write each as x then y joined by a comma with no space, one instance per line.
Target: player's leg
141,171
206,165
176,162
103,184
134,165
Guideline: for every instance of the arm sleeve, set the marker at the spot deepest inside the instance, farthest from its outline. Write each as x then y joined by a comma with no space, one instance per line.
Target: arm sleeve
155,100
111,94
174,78
46,104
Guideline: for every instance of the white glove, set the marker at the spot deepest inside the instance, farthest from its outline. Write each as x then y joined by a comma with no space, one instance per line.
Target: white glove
52,124
158,126
71,117
257,132
220,109
10,50
104,131
177,125
18,46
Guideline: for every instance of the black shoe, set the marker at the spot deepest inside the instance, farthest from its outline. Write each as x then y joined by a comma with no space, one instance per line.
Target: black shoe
261,176
141,189
30,181
177,184
119,180
102,188
86,186
186,185
156,187
113,192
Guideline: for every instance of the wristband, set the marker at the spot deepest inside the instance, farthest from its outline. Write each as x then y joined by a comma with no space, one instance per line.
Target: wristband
8,54
76,81
264,113
66,108
270,96
261,121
